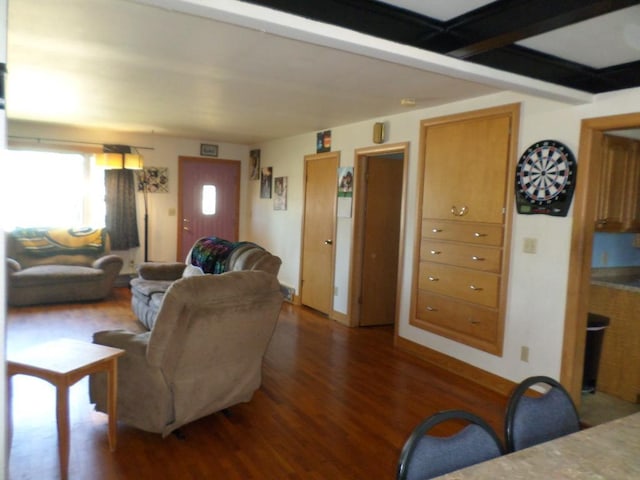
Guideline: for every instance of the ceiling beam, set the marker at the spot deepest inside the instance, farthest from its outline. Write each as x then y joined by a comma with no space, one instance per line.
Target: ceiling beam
506,22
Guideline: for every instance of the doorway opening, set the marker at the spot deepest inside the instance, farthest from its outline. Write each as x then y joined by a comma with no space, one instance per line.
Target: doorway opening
378,233
582,241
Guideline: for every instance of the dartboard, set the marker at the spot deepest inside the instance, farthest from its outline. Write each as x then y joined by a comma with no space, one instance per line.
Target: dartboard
545,178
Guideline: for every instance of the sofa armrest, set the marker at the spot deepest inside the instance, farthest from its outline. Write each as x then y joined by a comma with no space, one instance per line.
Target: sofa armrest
109,263
13,266
161,271
133,343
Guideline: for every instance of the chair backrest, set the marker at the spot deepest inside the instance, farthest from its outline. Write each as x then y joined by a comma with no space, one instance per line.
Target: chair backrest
425,456
535,419
210,336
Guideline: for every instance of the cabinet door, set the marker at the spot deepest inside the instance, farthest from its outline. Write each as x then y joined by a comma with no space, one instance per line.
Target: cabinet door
616,167
466,168
632,202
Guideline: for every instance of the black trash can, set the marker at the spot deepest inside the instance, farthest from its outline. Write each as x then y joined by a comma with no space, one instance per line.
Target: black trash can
596,325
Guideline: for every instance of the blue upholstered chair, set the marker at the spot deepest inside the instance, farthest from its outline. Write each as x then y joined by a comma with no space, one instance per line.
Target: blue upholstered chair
425,456
535,419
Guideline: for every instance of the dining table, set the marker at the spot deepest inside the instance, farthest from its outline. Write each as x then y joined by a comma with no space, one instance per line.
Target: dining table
607,451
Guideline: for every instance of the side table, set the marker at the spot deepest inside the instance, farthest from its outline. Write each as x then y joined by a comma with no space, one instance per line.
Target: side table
62,363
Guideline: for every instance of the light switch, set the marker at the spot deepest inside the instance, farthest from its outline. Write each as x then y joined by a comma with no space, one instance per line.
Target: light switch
530,245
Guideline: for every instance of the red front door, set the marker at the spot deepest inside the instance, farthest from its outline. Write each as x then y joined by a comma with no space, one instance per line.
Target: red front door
209,200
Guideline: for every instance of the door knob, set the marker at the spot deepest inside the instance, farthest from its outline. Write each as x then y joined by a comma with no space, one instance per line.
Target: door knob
328,242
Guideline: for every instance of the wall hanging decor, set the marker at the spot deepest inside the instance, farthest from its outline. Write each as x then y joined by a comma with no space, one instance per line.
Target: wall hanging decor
280,193
323,141
254,172
208,150
153,179
266,175
545,179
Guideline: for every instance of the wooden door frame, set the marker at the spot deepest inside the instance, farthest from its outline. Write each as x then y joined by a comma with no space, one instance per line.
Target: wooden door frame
357,242
320,156
181,160
585,196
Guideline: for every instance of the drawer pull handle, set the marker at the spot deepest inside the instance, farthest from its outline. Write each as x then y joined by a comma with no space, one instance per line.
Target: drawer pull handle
435,252
477,259
459,213
473,321
479,235
432,278
436,230
431,309
475,289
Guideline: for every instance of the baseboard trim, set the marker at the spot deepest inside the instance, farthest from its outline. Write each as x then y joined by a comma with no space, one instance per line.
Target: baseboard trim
458,367
123,280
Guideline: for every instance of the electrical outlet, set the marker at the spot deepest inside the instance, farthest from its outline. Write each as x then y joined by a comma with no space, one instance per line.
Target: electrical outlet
524,354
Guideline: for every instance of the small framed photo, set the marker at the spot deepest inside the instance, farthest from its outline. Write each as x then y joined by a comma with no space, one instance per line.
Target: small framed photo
208,150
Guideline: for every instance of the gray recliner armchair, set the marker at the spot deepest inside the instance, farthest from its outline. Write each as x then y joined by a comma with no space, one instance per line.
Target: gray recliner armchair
203,354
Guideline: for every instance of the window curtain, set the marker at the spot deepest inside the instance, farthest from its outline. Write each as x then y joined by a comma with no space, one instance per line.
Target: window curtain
121,217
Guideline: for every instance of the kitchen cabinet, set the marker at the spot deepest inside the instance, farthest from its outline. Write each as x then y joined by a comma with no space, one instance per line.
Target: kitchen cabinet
618,204
466,208
619,372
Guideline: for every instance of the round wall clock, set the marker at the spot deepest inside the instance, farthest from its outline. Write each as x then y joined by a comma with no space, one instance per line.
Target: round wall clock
545,179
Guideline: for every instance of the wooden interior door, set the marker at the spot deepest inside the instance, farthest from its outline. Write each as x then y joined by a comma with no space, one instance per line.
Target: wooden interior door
321,190
383,200
195,175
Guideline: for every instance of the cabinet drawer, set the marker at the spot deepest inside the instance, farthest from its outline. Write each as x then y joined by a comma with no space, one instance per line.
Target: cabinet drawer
477,257
448,315
476,233
469,285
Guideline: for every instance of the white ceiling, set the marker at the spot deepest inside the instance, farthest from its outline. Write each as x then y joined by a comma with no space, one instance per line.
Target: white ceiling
223,70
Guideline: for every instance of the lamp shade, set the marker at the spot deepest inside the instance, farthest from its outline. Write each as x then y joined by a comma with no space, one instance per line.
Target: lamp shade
119,157
133,161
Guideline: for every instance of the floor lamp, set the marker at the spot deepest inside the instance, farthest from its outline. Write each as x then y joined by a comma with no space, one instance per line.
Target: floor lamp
121,157
145,193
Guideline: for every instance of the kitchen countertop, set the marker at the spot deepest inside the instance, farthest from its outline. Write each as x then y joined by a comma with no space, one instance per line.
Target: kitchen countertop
608,451
623,278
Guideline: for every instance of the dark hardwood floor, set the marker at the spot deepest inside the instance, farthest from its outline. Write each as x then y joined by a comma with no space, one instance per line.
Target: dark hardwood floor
336,403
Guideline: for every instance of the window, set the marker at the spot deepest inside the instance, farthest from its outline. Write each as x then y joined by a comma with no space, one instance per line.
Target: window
47,189
208,199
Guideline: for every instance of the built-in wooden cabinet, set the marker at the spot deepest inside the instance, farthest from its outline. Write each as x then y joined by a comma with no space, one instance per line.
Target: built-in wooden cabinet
618,205
466,209
619,372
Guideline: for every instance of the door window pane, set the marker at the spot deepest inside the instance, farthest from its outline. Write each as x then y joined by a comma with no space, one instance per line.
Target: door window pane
208,199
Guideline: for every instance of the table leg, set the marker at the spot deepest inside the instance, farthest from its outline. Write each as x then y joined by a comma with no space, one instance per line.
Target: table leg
62,412
112,401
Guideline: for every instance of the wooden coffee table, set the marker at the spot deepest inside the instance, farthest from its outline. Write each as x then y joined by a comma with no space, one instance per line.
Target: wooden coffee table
62,363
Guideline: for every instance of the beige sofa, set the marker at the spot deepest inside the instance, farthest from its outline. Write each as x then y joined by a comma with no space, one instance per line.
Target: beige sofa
59,265
148,289
203,354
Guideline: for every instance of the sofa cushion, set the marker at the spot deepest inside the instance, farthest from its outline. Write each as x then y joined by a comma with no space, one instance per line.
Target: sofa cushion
192,271
54,274
145,288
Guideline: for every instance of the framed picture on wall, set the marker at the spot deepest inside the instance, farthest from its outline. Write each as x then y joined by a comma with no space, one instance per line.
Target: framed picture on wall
280,193
208,150
265,182
254,173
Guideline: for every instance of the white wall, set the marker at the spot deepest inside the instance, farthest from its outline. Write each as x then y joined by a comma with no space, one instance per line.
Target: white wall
537,283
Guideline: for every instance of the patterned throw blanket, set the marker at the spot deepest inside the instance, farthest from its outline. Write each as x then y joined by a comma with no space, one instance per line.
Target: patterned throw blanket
43,242
211,253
